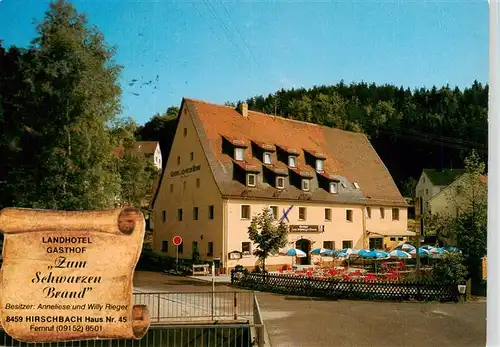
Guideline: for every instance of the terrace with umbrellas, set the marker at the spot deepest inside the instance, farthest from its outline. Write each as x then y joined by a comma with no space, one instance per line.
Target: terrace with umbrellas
366,265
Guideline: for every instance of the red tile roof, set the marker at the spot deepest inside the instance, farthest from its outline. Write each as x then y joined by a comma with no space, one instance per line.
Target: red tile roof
349,156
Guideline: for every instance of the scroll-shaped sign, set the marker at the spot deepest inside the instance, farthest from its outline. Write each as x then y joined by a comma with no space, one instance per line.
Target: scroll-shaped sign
68,275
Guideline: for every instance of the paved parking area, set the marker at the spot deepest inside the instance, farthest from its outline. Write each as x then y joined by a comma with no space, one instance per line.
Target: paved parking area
302,322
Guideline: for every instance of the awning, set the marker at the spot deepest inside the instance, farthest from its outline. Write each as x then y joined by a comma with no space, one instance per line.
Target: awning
392,233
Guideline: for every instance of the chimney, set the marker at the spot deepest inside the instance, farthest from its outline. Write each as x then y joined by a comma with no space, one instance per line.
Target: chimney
244,109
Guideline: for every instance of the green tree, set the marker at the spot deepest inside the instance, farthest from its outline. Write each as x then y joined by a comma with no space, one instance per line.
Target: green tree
63,130
267,235
450,268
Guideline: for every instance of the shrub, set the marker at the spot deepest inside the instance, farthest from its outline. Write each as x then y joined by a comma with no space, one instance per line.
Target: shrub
450,268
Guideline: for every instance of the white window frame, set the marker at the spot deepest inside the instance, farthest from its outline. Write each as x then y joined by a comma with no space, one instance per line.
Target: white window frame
241,151
267,155
355,185
282,180
334,188
320,165
254,179
275,216
290,159
306,185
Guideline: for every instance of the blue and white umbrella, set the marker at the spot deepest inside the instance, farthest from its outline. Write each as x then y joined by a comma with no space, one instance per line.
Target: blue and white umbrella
451,249
330,253
397,253
437,250
362,251
421,252
294,252
406,247
376,255
320,251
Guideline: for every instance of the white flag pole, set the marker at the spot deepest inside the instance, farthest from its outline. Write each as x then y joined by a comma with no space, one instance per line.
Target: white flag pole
493,285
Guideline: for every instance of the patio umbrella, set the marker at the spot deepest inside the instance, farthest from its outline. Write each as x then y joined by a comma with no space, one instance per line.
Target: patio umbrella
330,253
397,253
437,250
376,255
451,249
362,251
320,251
406,247
294,252
349,251
422,252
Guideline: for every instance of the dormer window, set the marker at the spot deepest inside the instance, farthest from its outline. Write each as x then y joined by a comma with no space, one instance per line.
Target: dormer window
251,180
280,182
355,185
292,161
238,154
267,158
334,188
319,165
305,185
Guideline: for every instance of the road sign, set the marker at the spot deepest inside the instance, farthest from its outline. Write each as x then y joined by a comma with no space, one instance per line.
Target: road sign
177,240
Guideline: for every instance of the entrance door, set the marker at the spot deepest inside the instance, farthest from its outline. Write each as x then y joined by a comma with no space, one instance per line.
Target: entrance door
305,246
376,242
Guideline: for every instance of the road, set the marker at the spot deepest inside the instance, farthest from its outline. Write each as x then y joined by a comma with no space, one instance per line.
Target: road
302,322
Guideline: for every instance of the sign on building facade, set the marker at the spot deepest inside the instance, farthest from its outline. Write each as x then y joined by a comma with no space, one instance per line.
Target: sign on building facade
307,228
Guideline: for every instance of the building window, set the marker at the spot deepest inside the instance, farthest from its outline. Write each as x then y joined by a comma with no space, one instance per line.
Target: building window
171,188
191,156
393,239
280,182
211,212
180,248
305,185
319,165
238,154
302,213
210,249
334,188
195,213
400,238
328,214
184,184
267,158
368,212
355,185
164,246
426,191
251,180
457,211
197,183
292,161
164,215
245,248
245,211
348,215
382,213
274,211
179,214
195,247
329,244
185,132
395,214
178,160
347,244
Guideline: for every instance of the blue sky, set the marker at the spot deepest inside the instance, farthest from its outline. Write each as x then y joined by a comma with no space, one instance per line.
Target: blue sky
228,51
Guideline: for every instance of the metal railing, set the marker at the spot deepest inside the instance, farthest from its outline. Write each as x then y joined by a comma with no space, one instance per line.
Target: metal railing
197,306
230,335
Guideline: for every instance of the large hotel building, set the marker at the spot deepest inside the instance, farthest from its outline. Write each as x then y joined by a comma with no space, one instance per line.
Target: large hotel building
227,164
